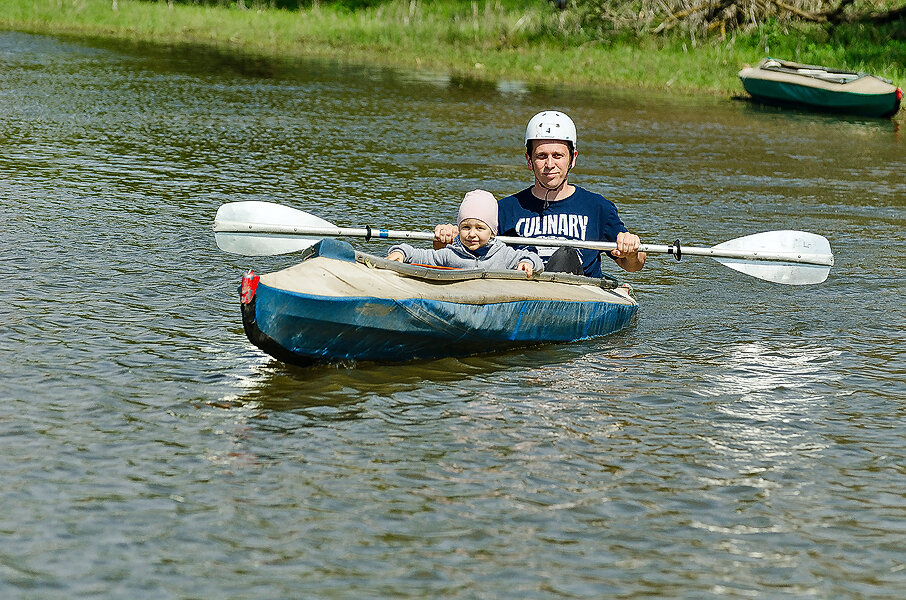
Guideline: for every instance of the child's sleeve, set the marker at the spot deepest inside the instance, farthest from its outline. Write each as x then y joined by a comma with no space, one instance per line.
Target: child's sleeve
404,249
418,255
519,255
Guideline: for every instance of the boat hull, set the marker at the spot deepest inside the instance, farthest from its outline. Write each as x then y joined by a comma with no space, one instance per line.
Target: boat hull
816,88
306,313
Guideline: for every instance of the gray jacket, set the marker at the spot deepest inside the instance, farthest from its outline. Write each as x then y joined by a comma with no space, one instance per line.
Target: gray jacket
494,255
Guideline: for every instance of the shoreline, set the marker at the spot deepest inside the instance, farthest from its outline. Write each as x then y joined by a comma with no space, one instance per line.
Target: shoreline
485,45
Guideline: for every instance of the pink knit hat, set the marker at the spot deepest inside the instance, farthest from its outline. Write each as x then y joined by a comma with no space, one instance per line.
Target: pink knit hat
481,205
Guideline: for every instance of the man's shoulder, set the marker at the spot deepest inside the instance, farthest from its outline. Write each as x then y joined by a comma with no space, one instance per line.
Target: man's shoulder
592,201
523,199
520,196
588,196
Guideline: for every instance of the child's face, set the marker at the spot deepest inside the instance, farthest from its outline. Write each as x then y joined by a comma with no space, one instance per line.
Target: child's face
474,233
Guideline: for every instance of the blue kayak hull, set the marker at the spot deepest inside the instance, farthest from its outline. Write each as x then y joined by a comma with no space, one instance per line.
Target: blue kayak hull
302,327
312,329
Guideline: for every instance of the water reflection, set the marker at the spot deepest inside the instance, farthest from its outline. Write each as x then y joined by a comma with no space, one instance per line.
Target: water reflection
851,123
768,401
338,391
738,435
756,370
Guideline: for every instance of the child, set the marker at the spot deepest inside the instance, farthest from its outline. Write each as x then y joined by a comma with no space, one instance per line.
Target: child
476,245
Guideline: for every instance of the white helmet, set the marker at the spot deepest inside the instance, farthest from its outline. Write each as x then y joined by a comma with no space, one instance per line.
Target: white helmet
551,125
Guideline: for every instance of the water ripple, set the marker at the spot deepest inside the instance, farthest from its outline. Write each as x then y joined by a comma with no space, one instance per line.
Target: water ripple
741,439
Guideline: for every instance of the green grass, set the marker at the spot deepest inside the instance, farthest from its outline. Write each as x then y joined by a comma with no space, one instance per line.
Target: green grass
483,40
880,50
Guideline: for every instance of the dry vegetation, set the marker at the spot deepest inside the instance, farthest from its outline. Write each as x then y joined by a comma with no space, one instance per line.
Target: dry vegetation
721,16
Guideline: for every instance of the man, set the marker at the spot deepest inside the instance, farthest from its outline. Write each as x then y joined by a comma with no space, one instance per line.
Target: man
554,208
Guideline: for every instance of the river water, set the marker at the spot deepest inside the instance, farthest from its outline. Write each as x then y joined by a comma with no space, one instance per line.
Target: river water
742,439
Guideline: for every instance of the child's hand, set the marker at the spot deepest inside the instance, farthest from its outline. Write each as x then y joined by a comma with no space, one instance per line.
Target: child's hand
527,267
396,255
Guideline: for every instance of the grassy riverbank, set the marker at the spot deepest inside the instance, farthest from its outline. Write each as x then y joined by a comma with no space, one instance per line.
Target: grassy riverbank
486,40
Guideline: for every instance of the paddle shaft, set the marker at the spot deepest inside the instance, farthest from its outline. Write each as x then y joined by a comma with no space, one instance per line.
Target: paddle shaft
370,233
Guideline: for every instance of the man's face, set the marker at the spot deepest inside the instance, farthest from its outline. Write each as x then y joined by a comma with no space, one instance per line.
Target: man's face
550,162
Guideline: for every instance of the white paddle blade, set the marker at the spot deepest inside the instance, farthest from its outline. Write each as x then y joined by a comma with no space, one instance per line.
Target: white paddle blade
783,241
264,213
785,273
259,244
769,245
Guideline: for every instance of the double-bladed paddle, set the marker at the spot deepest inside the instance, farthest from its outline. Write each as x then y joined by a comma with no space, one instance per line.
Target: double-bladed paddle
264,229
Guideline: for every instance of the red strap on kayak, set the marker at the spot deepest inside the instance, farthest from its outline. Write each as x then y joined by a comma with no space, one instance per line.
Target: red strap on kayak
249,285
436,267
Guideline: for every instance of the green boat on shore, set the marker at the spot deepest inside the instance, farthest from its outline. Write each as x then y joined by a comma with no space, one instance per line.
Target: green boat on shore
787,83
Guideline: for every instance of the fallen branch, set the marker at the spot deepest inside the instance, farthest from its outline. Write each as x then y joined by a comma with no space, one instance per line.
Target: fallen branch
815,17
890,16
835,16
674,18
709,16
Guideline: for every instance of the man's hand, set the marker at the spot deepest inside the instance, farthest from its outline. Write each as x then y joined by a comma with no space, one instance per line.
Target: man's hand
627,253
